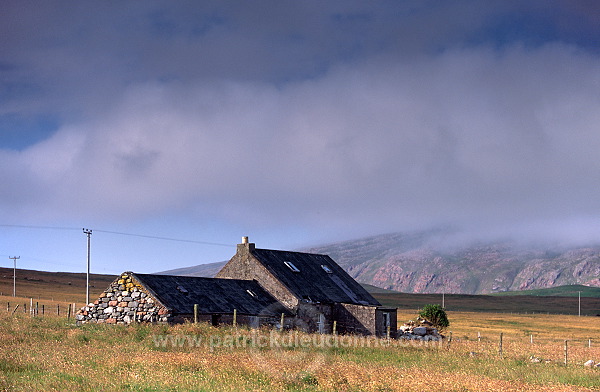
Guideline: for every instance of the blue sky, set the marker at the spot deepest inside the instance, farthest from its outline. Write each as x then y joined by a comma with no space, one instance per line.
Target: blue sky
295,123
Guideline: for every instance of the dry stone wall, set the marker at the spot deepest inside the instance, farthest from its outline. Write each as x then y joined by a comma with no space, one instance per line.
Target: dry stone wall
124,301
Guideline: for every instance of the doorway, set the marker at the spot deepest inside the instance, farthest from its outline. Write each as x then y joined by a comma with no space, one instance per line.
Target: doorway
321,323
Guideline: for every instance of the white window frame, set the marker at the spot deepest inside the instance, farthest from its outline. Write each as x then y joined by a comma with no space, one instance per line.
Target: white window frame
291,266
252,293
326,268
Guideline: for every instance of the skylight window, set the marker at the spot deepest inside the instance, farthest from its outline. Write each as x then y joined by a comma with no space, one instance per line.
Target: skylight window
291,266
252,293
326,269
182,289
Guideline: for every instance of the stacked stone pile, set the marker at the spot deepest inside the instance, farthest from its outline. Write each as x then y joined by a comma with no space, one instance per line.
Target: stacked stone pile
420,329
123,302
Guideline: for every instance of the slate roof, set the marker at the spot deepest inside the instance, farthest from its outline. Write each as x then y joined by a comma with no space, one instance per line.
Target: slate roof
313,282
215,296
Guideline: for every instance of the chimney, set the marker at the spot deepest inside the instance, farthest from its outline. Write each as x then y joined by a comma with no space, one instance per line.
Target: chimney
245,246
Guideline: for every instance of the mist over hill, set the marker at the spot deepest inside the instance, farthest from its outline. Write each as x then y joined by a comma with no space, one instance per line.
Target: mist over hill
439,261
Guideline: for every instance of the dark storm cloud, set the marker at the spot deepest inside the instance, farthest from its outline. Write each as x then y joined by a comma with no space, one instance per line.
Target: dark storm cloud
336,114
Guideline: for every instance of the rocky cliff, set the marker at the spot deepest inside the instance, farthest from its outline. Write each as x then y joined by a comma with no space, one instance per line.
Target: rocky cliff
418,263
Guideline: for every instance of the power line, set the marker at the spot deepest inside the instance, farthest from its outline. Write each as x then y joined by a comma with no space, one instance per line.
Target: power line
45,261
41,227
164,238
120,233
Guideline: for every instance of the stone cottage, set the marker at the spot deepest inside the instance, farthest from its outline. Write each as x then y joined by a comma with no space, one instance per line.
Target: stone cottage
314,288
165,298
311,290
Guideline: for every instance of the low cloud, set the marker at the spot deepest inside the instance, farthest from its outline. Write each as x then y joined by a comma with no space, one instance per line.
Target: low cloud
468,136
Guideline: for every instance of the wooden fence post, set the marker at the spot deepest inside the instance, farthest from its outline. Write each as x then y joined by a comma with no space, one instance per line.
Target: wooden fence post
478,336
69,313
8,306
282,319
589,343
531,338
500,345
566,352
235,318
42,309
58,309
334,327
16,307
195,313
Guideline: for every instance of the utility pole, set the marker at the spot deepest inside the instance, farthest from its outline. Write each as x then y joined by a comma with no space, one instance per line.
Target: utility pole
15,258
87,232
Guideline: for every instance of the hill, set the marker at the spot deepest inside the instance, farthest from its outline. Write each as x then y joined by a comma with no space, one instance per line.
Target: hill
440,261
59,286
208,270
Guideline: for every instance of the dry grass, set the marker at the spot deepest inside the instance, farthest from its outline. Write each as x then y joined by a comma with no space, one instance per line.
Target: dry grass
52,354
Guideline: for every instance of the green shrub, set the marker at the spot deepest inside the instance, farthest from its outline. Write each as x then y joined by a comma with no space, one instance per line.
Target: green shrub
436,315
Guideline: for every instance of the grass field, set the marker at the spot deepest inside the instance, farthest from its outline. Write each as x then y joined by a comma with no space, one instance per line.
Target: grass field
51,353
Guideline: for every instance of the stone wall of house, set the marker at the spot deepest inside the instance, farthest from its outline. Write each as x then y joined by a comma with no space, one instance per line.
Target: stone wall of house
357,319
308,317
123,302
243,265
366,320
